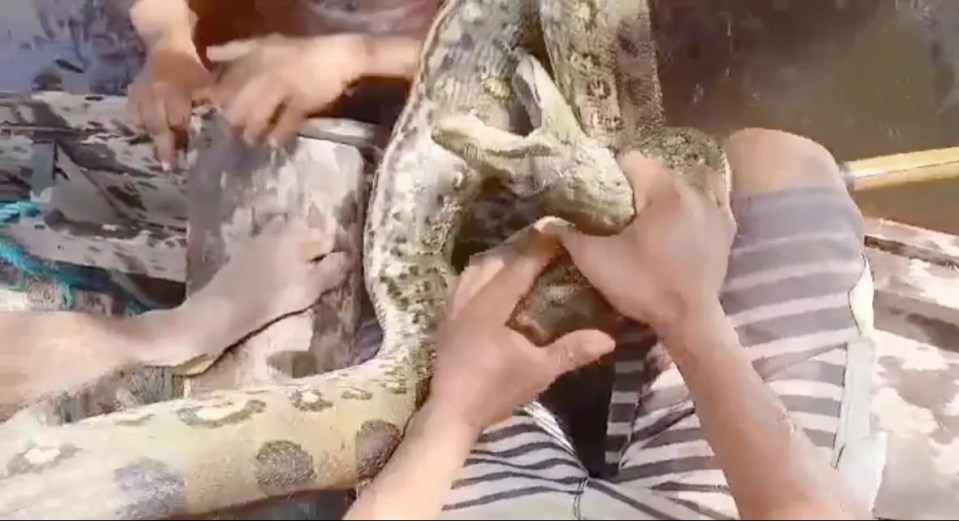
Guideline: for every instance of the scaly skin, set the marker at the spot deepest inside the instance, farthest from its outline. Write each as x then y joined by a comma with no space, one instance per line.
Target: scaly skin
188,457
608,99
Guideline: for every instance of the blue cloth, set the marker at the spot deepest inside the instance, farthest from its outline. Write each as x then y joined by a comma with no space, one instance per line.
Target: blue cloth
78,46
67,277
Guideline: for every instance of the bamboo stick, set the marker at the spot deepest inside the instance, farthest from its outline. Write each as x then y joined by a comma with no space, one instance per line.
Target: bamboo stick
899,169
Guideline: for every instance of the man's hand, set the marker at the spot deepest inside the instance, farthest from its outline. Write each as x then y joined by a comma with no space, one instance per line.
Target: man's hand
670,261
161,98
485,369
272,84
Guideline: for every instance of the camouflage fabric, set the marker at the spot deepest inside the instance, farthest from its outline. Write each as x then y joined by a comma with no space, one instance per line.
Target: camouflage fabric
80,46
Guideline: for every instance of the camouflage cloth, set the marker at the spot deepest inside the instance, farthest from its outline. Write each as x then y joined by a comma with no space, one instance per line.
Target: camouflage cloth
86,46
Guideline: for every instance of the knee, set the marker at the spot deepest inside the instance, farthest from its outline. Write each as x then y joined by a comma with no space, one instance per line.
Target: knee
765,161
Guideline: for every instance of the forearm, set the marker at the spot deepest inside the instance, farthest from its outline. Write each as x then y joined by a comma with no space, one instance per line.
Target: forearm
420,473
771,466
166,22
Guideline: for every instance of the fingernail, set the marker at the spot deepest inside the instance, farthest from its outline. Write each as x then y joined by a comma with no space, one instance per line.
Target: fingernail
165,166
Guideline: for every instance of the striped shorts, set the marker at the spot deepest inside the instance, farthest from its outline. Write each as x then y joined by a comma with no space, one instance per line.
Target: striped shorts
799,293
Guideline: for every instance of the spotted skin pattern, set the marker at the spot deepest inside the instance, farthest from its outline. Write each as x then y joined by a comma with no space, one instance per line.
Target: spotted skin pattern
457,137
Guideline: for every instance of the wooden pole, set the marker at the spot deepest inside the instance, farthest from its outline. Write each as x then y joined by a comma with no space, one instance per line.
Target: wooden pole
899,169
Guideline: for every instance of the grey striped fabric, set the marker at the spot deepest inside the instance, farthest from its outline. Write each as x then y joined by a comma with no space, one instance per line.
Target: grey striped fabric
795,260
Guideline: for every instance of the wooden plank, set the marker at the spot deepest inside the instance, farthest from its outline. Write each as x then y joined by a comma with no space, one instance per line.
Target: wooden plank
912,241
233,190
915,270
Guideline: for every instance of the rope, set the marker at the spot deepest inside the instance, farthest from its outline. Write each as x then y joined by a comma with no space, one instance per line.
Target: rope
12,211
67,278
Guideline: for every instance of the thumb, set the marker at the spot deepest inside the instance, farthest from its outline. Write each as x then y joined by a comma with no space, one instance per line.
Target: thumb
585,249
576,349
575,241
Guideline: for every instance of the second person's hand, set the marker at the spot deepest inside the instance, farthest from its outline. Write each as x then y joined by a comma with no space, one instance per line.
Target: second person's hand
162,95
670,262
483,368
271,85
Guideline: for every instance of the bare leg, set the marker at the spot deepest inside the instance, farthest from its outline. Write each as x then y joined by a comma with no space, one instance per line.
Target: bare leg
765,161
281,271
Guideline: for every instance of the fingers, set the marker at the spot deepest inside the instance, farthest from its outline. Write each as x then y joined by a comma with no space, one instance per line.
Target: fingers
499,297
576,350
160,111
165,143
287,125
151,110
236,77
251,109
135,103
156,121
259,114
231,51
178,111
257,104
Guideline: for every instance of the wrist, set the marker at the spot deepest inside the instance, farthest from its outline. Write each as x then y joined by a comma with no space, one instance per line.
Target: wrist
387,56
439,415
341,54
699,327
173,43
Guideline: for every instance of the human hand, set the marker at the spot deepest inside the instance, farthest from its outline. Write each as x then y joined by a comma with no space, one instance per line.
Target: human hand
272,84
670,261
161,97
484,369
